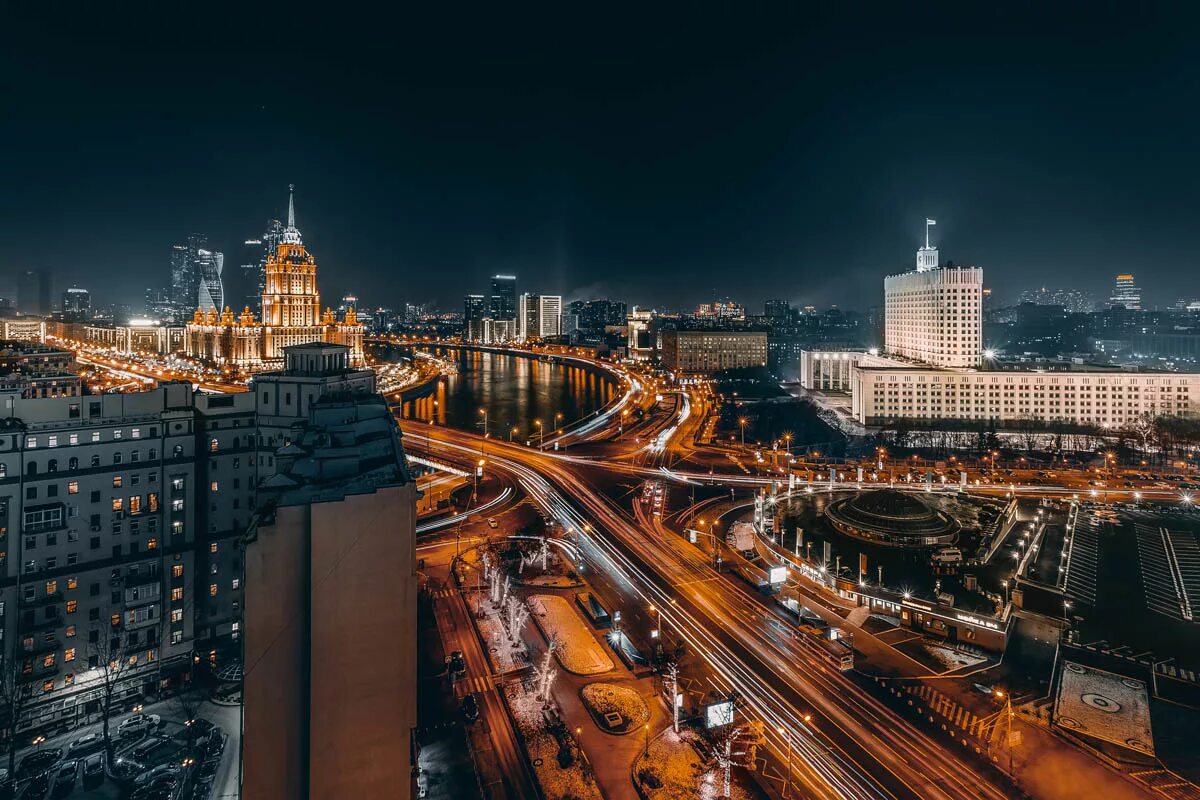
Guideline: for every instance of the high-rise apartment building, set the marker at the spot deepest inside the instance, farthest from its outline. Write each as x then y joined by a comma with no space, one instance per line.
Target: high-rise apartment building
596,315
539,316
1126,293
33,292
934,315
504,297
330,563
475,308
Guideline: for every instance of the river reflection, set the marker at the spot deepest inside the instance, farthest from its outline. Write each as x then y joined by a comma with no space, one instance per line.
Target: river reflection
516,392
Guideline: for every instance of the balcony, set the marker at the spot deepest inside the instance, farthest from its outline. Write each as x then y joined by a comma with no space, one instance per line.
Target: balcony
44,599
42,645
55,620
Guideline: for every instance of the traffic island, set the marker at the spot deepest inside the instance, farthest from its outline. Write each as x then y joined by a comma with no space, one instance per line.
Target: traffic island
615,709
674,766
574,645
559,765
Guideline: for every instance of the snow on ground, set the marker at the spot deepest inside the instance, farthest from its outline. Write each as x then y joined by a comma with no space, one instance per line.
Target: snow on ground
504,655
949,657
608,698
553,581
1105,705
682,771
577,650
575,781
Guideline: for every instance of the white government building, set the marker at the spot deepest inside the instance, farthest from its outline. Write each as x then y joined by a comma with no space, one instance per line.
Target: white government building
932,366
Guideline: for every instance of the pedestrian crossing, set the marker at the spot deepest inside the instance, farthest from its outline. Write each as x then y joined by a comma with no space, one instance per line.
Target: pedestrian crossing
958,716
473,684
441,594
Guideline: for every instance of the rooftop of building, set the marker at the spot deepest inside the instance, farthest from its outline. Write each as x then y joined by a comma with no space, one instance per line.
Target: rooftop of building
350,444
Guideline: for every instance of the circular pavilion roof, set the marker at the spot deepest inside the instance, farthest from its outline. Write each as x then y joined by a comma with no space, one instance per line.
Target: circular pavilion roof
892,517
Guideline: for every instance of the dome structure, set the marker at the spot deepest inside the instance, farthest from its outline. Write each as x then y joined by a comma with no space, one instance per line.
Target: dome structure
893,519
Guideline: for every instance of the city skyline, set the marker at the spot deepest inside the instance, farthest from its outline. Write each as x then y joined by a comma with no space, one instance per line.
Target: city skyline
562,166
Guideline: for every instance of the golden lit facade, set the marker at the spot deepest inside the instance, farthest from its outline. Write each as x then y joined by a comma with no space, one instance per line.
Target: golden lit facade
291,314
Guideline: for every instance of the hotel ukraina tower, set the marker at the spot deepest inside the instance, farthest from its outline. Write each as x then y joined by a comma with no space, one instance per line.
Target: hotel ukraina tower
291,314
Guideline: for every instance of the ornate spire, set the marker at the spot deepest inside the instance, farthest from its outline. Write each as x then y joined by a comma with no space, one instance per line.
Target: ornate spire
291,235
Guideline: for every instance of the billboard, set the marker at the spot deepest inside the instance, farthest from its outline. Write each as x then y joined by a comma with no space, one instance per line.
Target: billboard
717,715
777,575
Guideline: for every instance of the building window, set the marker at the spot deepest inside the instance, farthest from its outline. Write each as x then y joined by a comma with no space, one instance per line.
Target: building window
48,686
176,615
177,571
237,582
152,544
72,583
118,503
212,590
70,632
213,486
212,548
176,637
117,481
177,594
69,654
51,586
73,487
72,606
115,620
213,445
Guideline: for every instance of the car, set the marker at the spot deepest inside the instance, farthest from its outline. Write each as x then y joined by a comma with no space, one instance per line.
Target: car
199,728
202,789
208,770
64,779
215,745
85,745
138,725
152,776
470,708
37,787
38,763
456,662
93,770
161,790
982,688
492,523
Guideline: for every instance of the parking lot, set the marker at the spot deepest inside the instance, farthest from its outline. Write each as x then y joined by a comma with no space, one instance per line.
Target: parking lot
156,757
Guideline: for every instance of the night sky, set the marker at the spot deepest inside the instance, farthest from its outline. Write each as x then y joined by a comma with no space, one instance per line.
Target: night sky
661,158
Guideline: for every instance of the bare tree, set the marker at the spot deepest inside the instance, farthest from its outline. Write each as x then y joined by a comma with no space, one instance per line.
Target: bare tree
109,660
13,696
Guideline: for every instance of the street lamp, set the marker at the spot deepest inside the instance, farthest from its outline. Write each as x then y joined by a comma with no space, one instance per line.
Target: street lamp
742,424
541,433
512,432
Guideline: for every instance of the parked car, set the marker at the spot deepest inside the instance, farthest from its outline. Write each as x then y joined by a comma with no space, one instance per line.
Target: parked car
64,779
38,763
456,662
91,743
470,708
208,770
138,725
199,727
36,788
492,523
93,771
161,789
154,775
215,745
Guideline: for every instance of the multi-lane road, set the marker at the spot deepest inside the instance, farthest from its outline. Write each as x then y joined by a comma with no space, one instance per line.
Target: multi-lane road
854,747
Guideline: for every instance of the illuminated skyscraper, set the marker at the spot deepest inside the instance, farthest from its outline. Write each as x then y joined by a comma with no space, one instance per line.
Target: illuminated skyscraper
1127,294
504,297
210,290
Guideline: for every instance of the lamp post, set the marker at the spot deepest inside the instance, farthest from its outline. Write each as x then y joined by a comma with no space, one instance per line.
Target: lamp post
541,434
742,424
512,432
646,750
558,415
483,440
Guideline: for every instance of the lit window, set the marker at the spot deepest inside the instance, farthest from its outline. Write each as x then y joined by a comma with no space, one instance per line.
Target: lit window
213,446
69,654
212,548
70,631
95,436
152,544
73,487
115,619
177,571
176,615
117,433
74,438
117,504
237,582
48,660
72,606
48,686
213,487
212,590
135,504
69,679
53,441
30,442
51,587
177,594
137,433
117,481
176,637
72,583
